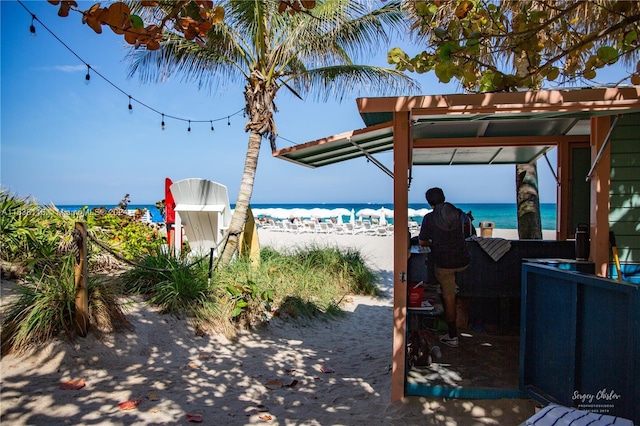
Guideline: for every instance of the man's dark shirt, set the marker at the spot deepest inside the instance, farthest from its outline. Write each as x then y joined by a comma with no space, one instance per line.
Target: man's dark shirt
443,227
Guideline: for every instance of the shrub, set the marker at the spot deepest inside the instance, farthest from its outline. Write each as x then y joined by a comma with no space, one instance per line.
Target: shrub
46,306
177,285
306,283
35,236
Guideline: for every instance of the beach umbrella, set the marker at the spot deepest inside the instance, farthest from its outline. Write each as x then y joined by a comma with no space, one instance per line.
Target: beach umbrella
352,217
383,217
299,212
339,213
320,213
422,212
276,212
367,212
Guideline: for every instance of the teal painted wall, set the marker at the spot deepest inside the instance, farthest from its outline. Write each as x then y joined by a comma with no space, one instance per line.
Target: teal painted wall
624,213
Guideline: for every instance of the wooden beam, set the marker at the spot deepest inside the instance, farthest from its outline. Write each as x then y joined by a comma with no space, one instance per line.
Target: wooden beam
401,165
600,184
605,99
500,141
563,192
81,314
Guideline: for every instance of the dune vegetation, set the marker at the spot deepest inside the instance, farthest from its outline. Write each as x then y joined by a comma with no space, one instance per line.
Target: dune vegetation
37,251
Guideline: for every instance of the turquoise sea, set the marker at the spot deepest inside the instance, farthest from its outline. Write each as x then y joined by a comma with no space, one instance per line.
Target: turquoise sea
503,215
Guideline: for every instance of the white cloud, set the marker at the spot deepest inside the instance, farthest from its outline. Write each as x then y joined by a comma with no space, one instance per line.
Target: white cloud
70,68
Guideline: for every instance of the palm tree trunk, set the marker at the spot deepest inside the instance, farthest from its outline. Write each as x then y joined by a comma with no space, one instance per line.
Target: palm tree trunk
529,222
244,197
528,199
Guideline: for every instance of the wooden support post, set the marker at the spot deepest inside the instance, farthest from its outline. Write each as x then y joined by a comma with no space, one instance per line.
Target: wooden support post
82,293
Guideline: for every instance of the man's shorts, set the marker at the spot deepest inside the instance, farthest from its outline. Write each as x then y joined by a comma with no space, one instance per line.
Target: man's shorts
447,279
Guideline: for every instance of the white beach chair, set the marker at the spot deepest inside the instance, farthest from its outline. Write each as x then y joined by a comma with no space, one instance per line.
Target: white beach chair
203,211
269,224
311,226
358,228
291,227
368,228
323,228
382,231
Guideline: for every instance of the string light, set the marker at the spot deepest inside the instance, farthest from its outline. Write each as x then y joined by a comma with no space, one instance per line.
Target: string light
189,128
32,30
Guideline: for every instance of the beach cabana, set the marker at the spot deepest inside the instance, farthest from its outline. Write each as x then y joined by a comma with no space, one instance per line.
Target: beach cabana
596,134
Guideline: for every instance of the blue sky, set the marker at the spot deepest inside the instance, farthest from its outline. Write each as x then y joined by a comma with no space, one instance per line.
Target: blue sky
66,142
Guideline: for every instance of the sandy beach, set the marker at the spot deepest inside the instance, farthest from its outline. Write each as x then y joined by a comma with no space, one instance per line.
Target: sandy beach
286,373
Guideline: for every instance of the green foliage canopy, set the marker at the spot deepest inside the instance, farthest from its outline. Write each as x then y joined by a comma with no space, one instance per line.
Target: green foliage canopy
508,45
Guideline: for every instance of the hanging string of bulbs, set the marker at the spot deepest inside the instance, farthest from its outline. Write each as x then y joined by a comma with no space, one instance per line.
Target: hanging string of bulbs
87,78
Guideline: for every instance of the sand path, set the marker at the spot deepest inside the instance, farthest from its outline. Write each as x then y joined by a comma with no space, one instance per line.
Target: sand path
287,373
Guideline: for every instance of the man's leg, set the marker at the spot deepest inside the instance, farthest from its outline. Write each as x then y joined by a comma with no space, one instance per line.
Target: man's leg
450,314
447,279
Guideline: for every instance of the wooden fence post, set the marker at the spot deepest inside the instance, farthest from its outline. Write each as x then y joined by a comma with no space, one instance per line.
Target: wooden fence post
82,293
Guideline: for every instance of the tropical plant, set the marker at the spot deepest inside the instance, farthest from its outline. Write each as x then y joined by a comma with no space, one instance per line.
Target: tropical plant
267,50
191,18
304,282
46,304
32,235
491,45
174,284
17,225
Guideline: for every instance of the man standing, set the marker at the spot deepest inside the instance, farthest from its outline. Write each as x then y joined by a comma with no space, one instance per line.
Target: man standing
441,230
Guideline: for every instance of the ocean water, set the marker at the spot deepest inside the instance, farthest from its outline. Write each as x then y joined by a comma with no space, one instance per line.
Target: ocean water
503,215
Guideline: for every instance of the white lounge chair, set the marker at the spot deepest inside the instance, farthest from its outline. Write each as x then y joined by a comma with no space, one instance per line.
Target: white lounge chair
291,227
203,211
322,228
331,228
381,231
269,224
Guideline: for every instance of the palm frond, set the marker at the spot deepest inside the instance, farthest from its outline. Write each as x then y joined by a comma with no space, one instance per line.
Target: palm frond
306,54
340,82
191,62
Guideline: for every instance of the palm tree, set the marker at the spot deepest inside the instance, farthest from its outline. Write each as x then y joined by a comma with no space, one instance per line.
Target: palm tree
267,51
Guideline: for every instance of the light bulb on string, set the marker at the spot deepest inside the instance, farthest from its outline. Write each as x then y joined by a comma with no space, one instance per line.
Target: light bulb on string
189,128
32,28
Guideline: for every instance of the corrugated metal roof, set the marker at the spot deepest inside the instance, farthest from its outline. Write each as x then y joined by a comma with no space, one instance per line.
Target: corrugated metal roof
489,130
379,138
